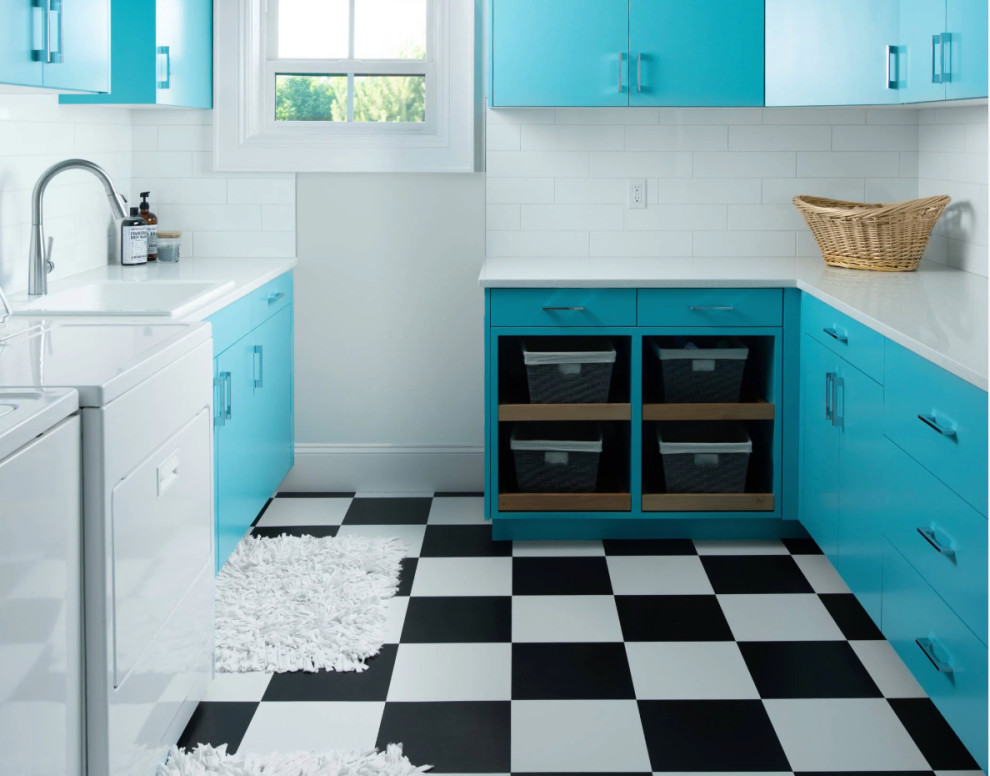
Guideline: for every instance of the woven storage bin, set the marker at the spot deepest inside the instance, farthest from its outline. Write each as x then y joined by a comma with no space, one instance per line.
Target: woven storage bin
569,370
861,235
704,457
556,457
705,374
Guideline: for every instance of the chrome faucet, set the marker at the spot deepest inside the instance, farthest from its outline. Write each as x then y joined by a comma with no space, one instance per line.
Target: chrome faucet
6,312
40,260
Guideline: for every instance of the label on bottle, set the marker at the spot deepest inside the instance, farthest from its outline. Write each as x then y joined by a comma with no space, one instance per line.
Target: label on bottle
134,244
152,241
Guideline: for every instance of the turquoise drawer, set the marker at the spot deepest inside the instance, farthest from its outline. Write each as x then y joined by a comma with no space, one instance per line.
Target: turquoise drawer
940,420
711,307
563,307
858,344
943,537
955,673
238,318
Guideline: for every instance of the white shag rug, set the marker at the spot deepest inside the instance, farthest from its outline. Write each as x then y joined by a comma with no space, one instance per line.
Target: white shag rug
302,603
204,760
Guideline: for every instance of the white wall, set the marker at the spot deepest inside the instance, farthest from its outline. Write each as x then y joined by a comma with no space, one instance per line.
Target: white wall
953,161
35,133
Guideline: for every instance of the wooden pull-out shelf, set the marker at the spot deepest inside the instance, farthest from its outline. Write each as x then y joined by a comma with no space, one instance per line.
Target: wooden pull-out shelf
526,412
760,410
564,502
708,502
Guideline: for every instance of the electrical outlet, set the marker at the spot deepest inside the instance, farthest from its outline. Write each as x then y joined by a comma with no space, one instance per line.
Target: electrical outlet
637,193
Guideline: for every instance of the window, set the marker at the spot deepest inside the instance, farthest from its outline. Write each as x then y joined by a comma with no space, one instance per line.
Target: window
346,85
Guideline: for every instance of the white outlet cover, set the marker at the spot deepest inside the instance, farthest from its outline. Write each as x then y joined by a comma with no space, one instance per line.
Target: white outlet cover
637,193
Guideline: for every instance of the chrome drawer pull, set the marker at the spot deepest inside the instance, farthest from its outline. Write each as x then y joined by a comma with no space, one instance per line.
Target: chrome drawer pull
928,647
565,309
697,308
273,298
928,534
929,420
830,397
620,72
834,334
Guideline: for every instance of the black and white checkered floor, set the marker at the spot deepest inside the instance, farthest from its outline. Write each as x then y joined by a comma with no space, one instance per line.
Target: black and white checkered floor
593,657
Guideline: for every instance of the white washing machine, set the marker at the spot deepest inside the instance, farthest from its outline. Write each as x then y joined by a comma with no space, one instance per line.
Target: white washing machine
40,584
145,393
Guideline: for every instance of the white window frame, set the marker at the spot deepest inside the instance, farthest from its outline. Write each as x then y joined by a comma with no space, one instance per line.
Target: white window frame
247,137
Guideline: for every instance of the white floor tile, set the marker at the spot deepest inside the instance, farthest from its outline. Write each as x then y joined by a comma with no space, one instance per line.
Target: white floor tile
860,734
395,618
312,726
733,547
565,618
305,511
463,576
412,535
658,575
238,687
457,510
556,549
452,672
821,574
561,736
887,669
689,670
784,617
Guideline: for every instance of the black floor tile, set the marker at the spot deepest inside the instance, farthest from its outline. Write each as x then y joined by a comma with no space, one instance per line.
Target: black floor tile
369,685
863,773
570,672
388,511
462,541
755,574
273,531
936,740
560,576
850,616
262,512
802,547
469,619
807,669
218,723
407,572
711,736
454,737
672,618
649,547
320,494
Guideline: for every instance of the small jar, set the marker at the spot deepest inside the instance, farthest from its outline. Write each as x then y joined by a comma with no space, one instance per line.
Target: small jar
169,244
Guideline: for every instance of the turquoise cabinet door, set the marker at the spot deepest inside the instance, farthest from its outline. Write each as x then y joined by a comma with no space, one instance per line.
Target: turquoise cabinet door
21,32
80,40
559,52
819,512
862,492
921,20
966,55
690,53
272,383
184,53
830,52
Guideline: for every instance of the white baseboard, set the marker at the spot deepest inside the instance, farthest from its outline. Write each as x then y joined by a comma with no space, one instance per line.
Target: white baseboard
386,468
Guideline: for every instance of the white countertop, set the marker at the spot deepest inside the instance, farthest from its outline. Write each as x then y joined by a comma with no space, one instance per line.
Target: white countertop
938,312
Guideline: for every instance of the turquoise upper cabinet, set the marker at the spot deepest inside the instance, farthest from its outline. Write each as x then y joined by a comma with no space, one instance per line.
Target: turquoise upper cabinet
162,54
58,44
832,52
696,54
922,22
559,52
966,55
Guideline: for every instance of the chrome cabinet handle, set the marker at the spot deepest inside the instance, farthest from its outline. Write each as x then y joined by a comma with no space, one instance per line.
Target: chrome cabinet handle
258,366
55,52
620,72
928,647
566,309
39,30
835,334
164,72
931,422
829,409
838,419
895,82
937,41
273,298
218,419
946,58
229,396
639,71
928,534
223,398
697,308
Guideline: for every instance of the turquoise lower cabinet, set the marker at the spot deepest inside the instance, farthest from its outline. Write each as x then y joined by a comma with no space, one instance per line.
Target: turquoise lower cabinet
253,407
966,58
165,57
696,54
56,44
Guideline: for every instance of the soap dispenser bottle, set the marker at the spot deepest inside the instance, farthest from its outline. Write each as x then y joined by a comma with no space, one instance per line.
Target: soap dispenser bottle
152,221
133,239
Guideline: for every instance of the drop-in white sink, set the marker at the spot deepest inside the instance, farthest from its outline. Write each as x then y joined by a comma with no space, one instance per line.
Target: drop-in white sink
172,298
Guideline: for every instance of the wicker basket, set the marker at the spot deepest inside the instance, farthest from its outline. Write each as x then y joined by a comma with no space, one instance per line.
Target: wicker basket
861,235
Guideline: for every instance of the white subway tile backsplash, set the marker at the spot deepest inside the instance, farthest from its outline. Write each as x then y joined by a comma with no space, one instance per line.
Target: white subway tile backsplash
976,138
891,189
537,164
715,191
243,190
909,164
591,191
677,217
711,116
571,217
185,138
778,191
640,164
502,137
183,191
540,137
244,244
665,244
743,164
958,167
537,245
938,138
848,164
164,164
746,137
278,218
892,115
676,137
217,218
518,190
894,137
733,244
765,217
832,116
520,116
501,217
609,116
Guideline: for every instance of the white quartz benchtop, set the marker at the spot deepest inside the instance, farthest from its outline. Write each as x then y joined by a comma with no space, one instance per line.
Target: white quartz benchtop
938,312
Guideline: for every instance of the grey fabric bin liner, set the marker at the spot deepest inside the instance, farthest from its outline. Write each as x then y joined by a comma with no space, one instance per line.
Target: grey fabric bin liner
692,465
557,457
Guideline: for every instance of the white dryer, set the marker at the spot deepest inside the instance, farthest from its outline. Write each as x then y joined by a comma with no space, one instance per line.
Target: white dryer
145,393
